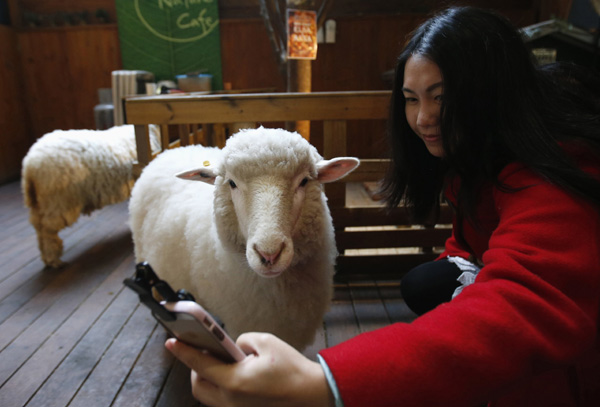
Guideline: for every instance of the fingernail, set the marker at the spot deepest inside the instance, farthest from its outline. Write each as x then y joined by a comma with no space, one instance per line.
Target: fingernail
170,344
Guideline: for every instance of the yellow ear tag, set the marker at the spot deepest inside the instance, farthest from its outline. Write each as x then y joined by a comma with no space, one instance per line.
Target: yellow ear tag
206,163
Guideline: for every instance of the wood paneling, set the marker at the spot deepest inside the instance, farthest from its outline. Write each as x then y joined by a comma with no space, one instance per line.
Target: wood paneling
63,69
54,6
247,58
48,9
15,137
365,48
236,9
249,9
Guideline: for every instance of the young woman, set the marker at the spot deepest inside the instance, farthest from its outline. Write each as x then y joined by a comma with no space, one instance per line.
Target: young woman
516,152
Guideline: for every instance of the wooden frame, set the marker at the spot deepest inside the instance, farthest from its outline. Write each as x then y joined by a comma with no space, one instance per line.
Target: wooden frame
362,233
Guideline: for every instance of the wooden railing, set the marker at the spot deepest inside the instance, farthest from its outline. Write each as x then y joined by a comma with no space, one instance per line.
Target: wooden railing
372,242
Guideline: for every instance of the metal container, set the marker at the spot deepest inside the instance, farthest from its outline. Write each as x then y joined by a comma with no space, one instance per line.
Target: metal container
195,82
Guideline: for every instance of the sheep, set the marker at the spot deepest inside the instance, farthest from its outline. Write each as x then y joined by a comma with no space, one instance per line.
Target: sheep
254,242
73,172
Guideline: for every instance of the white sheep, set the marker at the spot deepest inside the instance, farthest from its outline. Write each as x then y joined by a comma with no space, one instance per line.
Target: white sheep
73,172
257,246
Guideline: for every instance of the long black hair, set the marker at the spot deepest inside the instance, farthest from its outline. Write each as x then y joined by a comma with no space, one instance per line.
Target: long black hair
498,107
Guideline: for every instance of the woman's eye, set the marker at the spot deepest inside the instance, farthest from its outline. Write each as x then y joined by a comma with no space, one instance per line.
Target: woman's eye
304,182
232,184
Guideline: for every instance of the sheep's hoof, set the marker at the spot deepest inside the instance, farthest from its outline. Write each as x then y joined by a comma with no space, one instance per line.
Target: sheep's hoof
55,265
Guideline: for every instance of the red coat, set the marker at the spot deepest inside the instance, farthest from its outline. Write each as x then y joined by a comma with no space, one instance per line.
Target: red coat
524,334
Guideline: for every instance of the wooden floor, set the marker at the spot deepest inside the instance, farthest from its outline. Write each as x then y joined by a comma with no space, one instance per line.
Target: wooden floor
76,337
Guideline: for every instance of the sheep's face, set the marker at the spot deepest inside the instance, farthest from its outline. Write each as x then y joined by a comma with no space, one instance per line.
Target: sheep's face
268,208
267,196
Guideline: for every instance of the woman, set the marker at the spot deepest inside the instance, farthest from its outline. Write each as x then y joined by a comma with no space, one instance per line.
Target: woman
516,151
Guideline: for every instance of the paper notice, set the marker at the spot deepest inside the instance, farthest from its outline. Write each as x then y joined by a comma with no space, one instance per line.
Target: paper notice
302,34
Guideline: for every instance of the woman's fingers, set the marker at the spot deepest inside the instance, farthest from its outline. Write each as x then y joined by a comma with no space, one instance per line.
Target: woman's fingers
204,391
274,374
253,343
207,366
206,371
187,354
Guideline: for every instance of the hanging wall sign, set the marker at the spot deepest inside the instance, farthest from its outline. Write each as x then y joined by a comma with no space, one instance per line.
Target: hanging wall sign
171,37
302,34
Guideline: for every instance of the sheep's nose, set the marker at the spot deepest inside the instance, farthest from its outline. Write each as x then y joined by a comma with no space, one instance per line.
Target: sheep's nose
269,258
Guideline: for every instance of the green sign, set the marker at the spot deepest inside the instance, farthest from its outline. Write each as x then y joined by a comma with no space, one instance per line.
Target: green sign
171,37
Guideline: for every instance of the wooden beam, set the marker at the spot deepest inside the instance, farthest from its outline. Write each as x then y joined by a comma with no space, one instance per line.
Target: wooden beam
392,238
264,107
249,9
379,216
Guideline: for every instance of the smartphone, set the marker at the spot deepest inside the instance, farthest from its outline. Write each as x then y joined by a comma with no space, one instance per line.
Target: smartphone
194,326
181,316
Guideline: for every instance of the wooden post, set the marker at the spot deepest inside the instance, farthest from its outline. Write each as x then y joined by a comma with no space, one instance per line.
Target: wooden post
299,80
15,14
299,73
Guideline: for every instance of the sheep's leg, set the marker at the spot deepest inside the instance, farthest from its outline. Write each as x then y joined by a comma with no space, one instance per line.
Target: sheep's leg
51,247
49,243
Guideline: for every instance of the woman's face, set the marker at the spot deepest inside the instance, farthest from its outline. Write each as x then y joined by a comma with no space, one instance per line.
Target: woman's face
423,90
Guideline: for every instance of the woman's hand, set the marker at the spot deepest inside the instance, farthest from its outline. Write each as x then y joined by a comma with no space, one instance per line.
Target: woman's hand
274,374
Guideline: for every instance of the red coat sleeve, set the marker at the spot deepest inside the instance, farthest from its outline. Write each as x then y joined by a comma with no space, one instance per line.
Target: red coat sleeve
533,307
453,248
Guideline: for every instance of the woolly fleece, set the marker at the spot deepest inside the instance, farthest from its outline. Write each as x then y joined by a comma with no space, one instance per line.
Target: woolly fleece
73,172
192,236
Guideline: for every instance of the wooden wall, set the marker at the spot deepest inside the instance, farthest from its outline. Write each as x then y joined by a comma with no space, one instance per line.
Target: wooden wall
50,75
15,137
63,75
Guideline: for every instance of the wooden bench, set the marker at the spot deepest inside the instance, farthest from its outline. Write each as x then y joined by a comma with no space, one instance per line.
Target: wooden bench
371,242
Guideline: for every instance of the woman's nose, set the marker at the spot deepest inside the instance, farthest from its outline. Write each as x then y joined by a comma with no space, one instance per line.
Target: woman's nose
428,116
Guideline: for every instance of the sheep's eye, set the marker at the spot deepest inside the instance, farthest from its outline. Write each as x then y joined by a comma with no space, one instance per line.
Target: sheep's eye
232,184
304,182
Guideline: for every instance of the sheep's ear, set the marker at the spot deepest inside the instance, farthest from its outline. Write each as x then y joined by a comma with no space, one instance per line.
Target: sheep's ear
205,174
336,168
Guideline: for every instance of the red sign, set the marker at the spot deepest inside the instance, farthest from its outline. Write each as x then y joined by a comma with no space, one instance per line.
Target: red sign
302,34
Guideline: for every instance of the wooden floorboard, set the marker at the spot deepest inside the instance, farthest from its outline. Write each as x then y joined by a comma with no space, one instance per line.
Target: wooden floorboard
147,378
76,337
340,322
87,334
368,307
